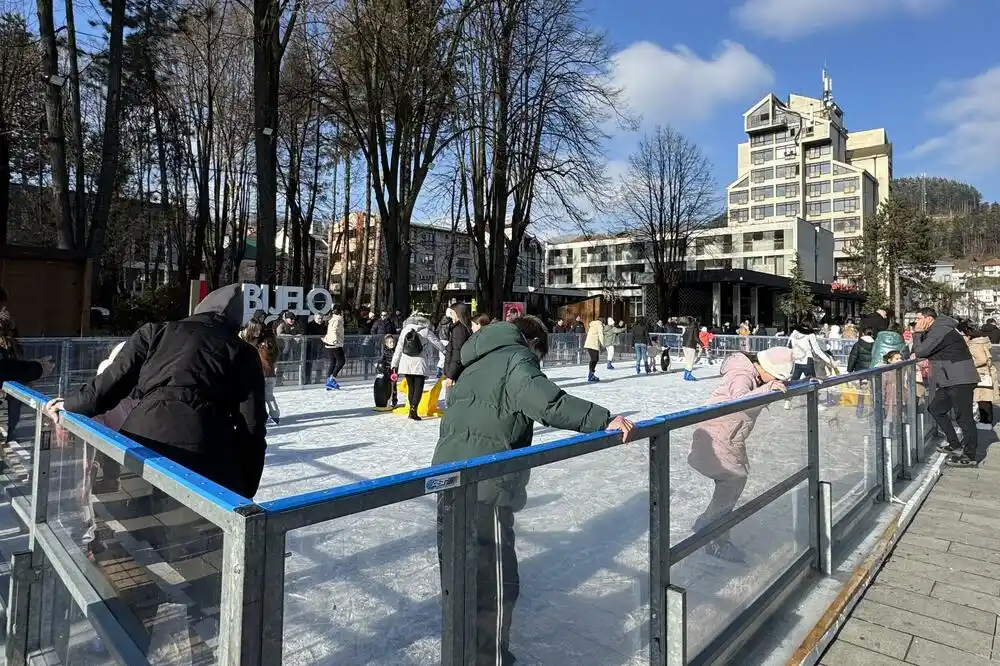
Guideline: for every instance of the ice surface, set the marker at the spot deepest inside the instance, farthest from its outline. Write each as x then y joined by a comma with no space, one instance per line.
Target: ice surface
365,589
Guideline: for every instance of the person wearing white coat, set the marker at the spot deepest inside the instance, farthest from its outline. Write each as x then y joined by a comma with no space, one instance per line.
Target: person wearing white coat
413,363
334,343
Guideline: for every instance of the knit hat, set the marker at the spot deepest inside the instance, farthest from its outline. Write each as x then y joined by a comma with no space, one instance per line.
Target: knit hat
777,361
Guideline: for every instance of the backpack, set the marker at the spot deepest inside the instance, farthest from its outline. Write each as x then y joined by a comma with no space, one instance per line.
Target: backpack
412,344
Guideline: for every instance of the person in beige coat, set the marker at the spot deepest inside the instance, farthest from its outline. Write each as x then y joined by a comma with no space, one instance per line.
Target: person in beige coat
334,343
593,345
987,391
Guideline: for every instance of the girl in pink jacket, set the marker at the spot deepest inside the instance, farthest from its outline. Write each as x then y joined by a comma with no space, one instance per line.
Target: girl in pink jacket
718,447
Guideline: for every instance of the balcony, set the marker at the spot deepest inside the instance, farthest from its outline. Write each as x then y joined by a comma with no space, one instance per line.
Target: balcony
595,258
559,260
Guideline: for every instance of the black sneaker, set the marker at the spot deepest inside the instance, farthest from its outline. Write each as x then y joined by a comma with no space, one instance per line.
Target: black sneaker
961,460
949,448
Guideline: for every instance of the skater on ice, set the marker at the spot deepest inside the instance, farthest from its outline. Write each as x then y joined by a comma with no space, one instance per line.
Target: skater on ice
265,342
593,344
502,394
416,358
642,342
718,447
386,396
611,333
689,343
334,343
458,334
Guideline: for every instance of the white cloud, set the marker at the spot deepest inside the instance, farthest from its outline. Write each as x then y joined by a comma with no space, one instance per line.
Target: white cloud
970,110
671,86
789,19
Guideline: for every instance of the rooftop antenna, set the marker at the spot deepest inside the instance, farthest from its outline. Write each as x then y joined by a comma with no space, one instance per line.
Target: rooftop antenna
827,89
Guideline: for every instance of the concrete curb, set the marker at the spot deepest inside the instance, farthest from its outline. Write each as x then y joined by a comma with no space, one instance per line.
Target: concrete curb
818,640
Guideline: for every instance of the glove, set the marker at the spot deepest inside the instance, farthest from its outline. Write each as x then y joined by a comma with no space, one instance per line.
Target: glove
393,376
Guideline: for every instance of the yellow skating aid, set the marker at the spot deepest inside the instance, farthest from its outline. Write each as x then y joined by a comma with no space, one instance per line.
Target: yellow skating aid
428,407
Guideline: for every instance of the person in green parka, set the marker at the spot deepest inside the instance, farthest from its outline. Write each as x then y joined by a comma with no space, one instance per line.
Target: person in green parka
492,408
611,333
885,342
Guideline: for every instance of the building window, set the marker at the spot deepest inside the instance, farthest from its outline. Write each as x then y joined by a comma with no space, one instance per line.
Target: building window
748,240
739,214
760,117
788,190
762,139
823,224
817,170
787,171
815,152
788,152
846,185
761,193
760,175
739,197
818,189
817,207
762,156
786,209
761,212
839,170
847,225
847,205
779,239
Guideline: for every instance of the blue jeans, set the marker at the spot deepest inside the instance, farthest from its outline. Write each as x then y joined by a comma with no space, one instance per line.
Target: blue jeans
641,356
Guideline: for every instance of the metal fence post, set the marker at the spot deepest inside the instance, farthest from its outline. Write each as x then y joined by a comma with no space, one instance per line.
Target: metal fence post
21,577
304,344
39,511
884,453
241,608
273,628
676,620
64,368
659,546
456,511
826,527
898,426
812,452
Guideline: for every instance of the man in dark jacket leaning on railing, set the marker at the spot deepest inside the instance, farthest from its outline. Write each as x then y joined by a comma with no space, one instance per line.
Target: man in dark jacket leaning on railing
493,408
953,380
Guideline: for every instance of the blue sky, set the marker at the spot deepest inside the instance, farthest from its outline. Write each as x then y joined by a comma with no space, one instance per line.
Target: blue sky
926,70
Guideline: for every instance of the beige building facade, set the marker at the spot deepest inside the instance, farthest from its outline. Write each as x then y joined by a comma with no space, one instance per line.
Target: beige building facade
800,161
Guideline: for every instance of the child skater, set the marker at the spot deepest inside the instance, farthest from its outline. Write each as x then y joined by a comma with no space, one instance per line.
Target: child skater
718,447
386,396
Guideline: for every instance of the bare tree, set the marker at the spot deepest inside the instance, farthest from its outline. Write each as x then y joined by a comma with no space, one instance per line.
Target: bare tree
393,82
536,96
54,123
19,71
667,196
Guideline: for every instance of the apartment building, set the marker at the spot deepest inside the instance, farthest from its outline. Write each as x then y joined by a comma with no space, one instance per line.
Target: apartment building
800,161
599,264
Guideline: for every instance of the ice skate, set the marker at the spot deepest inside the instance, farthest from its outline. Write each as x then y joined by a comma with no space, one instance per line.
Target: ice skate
332,385
272,422
638,371
610,366
726,551
592,378
689,376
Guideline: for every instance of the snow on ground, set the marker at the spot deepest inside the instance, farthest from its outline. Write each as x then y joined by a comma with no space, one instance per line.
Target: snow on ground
365,589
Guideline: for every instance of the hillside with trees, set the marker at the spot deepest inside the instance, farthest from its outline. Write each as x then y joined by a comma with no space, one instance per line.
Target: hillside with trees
963,227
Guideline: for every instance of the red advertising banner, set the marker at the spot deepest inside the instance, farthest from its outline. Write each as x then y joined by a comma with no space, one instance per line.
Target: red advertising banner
513,310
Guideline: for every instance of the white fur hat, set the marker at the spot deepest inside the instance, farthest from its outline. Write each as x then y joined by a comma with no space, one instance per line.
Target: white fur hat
778,361
111,357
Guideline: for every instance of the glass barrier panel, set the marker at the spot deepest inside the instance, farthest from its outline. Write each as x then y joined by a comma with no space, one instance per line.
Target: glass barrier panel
848,455
155,561
582,561
83,358
718,466
565,349
67,636
718,590
19,444
289,367
890,409
364,589
57,349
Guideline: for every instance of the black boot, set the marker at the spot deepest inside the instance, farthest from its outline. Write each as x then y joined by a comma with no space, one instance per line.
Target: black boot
414,416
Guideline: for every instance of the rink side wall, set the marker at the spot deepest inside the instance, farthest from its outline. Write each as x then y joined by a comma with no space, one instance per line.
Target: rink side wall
135,558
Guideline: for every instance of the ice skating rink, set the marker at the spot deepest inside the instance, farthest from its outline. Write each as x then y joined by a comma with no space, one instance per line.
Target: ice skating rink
365,589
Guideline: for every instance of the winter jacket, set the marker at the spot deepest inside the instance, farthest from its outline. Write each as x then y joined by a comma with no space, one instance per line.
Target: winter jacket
611,334
805,346
718,447
993,333
383,327
835,332
427,362
595,336
284,328
315,327
640,334
983,358
860,357
951,361
874,321
199,393
689,338
16,370
885,342
578,328
269,351
385,362
334,331
503,392
705,339
453,353
850,332
559,328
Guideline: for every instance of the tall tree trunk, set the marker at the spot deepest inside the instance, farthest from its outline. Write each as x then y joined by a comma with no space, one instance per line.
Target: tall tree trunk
345,264
362,274
76,121
54,123
266,62
4,181
112,137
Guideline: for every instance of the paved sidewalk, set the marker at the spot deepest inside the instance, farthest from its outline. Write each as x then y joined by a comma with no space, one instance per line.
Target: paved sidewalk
937,600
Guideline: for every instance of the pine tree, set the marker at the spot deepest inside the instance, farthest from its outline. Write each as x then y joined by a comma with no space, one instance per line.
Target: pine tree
798,302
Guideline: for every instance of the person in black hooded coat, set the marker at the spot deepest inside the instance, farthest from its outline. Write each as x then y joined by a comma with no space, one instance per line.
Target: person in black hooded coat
199,393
